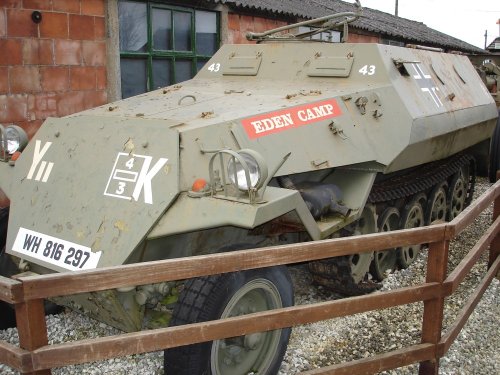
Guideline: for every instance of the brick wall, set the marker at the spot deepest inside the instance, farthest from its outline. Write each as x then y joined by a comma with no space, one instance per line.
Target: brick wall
53,68
239,24
354,37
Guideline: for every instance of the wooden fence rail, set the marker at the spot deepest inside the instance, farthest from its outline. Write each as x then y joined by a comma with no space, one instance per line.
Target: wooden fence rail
35,356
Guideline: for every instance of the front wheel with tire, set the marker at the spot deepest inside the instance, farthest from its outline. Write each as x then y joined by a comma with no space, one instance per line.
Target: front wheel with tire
7,269
7,315
229,295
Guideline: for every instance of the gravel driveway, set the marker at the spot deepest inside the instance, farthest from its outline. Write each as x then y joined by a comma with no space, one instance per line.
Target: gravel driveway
476,351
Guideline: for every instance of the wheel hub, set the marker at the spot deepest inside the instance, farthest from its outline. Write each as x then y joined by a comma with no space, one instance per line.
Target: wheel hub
413,217
438,206
457,197
252,341
249,353
385,260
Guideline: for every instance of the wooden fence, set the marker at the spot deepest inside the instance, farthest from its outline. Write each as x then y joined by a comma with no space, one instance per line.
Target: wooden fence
35,356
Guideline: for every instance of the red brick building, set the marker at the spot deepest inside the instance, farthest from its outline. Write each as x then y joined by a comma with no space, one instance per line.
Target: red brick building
58,57
54,67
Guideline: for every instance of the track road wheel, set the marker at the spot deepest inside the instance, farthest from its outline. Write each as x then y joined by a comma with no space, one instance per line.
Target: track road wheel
437,204
469,173
346,274
359,264
385,260
457,194
230,295
412,217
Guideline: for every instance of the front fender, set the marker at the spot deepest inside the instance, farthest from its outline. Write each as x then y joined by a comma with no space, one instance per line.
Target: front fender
189,214
87,189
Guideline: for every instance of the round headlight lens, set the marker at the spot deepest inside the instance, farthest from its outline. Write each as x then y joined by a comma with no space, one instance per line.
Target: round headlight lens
15,139
236,171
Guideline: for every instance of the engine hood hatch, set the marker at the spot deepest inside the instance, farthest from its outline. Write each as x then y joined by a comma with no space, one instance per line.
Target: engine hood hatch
90,188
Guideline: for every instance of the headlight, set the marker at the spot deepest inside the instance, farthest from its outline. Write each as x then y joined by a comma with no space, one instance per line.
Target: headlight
14,139
253,163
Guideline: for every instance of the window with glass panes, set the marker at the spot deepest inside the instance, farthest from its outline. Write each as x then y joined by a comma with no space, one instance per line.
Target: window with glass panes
326,36
161,45
392,42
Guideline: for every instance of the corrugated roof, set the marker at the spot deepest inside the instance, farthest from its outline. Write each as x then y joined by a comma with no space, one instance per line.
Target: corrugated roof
493,47
373,20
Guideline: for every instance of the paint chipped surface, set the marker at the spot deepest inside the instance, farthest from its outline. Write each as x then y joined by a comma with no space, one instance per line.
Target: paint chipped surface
121,226
129,146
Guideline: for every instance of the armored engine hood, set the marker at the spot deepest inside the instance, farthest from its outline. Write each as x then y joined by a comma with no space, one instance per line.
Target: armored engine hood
123,170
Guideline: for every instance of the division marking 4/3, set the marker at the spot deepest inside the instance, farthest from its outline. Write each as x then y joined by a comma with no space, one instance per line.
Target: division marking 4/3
131,175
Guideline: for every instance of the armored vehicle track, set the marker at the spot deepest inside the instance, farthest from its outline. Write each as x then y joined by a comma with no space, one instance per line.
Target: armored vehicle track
437,191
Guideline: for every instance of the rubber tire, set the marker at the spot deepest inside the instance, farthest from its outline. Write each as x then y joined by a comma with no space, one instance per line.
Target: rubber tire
495,152
7,314
204,299
7,267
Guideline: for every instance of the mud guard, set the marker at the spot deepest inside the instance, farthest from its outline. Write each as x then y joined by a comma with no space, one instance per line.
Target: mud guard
191,214
86,199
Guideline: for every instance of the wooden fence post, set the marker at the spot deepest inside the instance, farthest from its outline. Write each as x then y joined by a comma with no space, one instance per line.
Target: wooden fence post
437,266
495,244
32,328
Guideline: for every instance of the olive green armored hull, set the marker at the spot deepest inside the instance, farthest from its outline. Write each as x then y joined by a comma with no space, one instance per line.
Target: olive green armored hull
101,181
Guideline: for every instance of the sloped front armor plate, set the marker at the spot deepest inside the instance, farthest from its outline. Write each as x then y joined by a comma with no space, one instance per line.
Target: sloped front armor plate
97,183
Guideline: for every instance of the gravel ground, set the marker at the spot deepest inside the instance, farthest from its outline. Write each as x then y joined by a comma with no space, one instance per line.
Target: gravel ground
476,350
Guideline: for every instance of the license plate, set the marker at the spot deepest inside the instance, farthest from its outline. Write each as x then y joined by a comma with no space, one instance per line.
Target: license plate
61,253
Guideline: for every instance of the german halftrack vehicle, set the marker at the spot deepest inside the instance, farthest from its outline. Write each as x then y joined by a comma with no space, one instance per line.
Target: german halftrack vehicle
283,141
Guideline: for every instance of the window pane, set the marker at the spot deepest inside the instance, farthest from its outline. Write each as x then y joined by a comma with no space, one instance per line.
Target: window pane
161,73
133,72
133,26
182,32
162,29
200,64
206,33
183,70
335,36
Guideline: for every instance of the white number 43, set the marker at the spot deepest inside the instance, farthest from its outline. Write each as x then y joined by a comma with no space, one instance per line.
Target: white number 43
215,67
367,70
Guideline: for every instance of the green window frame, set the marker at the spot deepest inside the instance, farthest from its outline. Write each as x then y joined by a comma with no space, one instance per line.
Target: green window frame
163,44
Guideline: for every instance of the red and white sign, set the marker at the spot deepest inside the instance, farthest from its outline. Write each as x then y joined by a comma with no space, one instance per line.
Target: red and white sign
275,122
